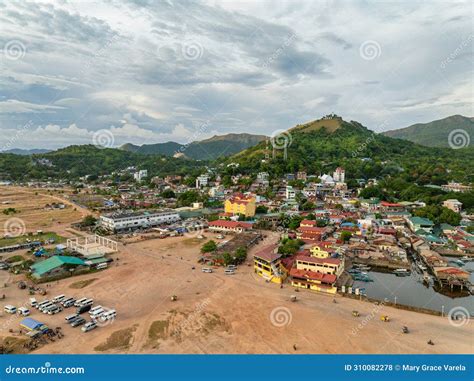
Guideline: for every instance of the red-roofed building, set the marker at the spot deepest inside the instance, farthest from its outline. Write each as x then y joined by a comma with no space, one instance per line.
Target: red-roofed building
229,226
307,224
267,264
323,265
311,233
313,280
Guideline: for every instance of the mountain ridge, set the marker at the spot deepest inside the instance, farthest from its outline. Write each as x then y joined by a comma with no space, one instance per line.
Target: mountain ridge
437,132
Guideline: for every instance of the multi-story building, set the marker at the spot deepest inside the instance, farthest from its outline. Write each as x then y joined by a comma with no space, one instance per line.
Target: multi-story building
456,187
267,264
122,221
140,175
240,204
229,226
202,181
290,193
339,175
453,204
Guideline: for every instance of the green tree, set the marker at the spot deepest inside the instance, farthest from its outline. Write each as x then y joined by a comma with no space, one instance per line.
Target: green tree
346,236
209,247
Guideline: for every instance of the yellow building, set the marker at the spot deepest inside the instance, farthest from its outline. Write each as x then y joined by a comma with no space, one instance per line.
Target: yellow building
267,264
319,251
240,204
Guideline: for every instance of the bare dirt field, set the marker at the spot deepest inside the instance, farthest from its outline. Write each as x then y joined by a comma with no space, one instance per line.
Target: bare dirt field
29,204
216,313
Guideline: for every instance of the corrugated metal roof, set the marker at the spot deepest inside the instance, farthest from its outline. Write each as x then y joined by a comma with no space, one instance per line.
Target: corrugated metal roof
49,264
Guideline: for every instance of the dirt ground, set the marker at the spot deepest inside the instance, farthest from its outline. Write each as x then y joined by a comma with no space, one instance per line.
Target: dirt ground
216,313
30,206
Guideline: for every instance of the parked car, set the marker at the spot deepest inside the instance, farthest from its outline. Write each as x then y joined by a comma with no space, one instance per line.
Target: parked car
54,310
70,318
82,309
9,309
77,322
23,311
89,326
79,302
67,300
206,270
59,298
69,303
229,272
33,302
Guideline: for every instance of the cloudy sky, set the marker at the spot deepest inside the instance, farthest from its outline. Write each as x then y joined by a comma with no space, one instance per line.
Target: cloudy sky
154,71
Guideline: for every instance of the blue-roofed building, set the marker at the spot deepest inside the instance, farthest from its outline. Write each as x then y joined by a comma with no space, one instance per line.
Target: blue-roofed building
33,325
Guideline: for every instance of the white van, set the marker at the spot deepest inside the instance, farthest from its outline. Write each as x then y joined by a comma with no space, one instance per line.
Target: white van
95,309
9,309
101,266
206,270
229,272
87,302
23,311
95,314
59,298
45,306
33,302
40,304
79,302
109,315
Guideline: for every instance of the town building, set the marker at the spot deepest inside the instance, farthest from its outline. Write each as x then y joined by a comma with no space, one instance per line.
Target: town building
140,175
240,204
267,264
339,175
453,204
56,265
417,223
226,226
290,193
456,187
122,221
202,181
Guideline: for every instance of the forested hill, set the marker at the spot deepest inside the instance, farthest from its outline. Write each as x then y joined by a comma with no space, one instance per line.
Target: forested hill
322,145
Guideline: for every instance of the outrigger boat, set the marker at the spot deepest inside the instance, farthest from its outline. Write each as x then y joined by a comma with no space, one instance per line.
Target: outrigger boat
401,272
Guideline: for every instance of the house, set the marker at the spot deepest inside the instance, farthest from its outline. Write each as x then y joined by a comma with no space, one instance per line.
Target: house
453,204
267,264
416,223
311,233
229,226
55,265
321,250
240,204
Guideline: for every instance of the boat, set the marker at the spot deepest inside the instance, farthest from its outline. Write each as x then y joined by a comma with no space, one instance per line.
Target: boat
457,262
466,259
401,272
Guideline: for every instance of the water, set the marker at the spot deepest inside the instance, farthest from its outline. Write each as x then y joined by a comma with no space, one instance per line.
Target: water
411,291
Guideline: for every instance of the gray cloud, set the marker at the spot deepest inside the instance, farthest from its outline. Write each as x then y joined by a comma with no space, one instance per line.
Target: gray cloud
157,71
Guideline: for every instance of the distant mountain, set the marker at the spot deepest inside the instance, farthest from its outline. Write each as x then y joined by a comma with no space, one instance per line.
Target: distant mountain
208,149
19,151
437,133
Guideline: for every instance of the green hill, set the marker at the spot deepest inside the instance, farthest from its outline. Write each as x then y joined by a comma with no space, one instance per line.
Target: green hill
208,149
437,133
321,146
